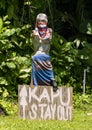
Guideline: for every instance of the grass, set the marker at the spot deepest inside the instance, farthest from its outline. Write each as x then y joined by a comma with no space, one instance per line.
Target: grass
81,121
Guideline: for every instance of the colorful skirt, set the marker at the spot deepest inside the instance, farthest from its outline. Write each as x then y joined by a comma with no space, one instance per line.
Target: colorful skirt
42,72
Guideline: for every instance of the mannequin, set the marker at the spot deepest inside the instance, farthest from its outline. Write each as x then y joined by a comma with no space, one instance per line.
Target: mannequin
42,72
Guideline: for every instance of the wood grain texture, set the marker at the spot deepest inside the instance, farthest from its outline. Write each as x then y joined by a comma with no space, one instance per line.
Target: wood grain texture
40,102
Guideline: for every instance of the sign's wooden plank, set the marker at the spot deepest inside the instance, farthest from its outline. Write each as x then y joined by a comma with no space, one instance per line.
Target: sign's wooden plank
42,103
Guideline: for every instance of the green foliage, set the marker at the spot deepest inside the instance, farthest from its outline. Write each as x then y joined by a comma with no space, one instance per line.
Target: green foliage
83,102
70,59
8,104
15,59
10,107
86,27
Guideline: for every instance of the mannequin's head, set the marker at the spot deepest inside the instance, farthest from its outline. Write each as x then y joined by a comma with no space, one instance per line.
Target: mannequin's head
42,18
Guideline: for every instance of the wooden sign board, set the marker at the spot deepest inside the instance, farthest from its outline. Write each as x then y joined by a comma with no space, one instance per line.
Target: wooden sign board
42,103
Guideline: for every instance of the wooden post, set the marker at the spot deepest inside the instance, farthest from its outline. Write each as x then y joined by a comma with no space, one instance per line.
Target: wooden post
42,103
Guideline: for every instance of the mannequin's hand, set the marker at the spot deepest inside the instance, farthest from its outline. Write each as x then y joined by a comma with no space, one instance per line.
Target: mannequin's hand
34,33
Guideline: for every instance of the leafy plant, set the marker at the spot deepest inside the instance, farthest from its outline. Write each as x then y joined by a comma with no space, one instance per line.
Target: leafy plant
15,59
83,102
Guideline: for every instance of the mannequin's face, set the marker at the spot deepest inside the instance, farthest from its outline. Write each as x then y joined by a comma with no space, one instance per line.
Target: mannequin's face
41,23
41,20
